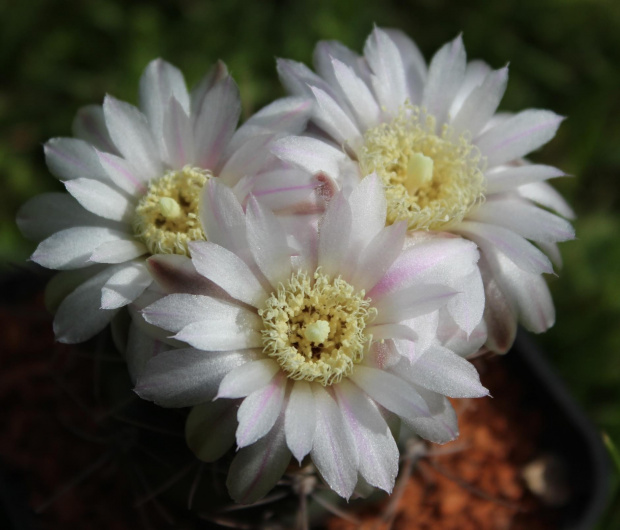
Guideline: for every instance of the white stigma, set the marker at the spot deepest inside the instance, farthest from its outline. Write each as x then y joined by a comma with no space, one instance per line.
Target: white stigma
317,332
169,208
419,172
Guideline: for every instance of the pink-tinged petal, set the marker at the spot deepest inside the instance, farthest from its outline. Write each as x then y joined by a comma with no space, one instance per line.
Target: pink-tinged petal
260,410
331,451
412,302
300,420
222,334
101,199
288,191
203,420
413,62
379,255
267,241
543,194
177,130
222,217
257,468
285,115
378,462
89,125
310,154
72,248
118,251
216,74
125,286
442,371
524,218
508,178
360,98
519,135
521,252
452,337
445,76
384,354
297,79
392,331
215,122
330,117
48,213
184,378
481,104
228,271
390,391
334,237
248,159
160,82
384,59
141,348
122,174
79,316
131,135
177,274
441,427
69,158
248,378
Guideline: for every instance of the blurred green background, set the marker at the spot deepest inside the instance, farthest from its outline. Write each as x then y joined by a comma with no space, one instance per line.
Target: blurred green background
56,56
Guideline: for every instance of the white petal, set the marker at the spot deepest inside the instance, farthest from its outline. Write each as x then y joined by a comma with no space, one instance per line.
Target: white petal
509,177
63,283
216,74
519,135
223,334
297,78
375,445
546,196
250,158
257,469
392,331
178,135
452,336
248,378
412,302
330,117
141,348
521,252
122,174
89,125
267,241
125,286
445,75
183,378
260,410
228,271
311,154
132,137
413,62
525,219
334,236
72,248
368,211
69,158
385,61
215,122
467,307
177,274
390,392
101,199
441,427
203,421
79,316
45,214
361,100
331,450
475,74
300,420
118,251
481,104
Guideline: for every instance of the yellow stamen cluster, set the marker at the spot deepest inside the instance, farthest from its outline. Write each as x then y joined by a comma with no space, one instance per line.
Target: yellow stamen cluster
314,327
432,179
166,217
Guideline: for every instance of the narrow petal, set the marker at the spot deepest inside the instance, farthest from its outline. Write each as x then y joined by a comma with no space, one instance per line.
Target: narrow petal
300,420
381,332
222,334
72,248
177,274
89,125
390,392
441,427
360,98
543,194
413,62
184,378
118,251
330,116
257,469
122,174
445,75
475,74
219,417
331,451
248,378
510,177
70,158
260,410
101,199
125,286
217,73
130,132
375,445
519,135
297,78
368,211
334,236
178,133
141,348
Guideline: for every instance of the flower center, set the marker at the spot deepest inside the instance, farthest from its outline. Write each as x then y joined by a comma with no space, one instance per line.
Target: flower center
314,327
166,217
431,179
